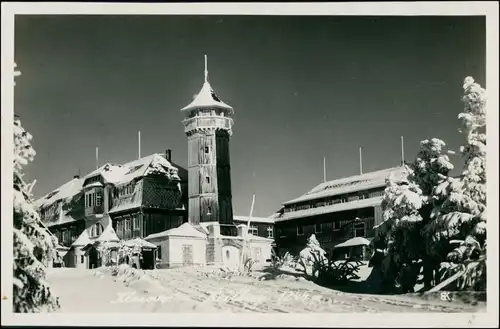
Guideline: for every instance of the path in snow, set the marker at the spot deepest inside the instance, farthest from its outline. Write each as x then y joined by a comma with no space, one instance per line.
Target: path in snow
204,290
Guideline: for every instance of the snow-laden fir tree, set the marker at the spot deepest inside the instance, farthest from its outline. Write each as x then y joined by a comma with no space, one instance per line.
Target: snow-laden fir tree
460,217
406,211
33,245
430,211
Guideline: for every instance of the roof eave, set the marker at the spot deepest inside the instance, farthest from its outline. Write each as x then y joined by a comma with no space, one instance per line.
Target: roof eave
192,107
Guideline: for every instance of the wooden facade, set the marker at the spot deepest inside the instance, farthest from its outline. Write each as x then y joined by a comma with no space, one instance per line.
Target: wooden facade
146,205
224,177
265,230
330,229
209,188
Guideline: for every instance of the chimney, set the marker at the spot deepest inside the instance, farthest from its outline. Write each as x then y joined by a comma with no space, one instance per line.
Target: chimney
168,155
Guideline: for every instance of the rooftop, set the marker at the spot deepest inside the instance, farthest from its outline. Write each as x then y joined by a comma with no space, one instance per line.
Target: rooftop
351,184
268,220
357,204
207,98
114,174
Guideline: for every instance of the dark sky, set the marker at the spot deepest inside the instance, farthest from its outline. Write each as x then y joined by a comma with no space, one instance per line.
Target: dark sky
302,88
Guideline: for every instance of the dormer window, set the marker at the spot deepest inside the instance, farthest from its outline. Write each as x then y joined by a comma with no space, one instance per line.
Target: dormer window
96,230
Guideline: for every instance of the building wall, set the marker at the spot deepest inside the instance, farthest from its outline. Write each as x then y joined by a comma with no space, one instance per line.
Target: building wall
202,178
262,228
75,258
230,256
176,249
329,229
163,251
67,233
260,251
161,193
224,177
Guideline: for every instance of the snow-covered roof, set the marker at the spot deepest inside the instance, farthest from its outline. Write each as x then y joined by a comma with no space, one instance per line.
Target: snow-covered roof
204,226
267,220
252,237
184,230
207,98
351,184
131,201
123,174
363,203
139,242
108,235
82,240
357,241
66,191
95,184
63,216
114,174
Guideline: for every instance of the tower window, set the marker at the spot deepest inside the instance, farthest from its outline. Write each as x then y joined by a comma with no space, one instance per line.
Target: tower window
207,179
207,149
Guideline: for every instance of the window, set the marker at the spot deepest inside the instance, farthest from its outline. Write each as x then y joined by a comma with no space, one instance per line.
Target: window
253,230
127,224
209,210
207,149
119,229
98,200
207,179
318,228
270,232
82,259
300,230
359,229
227,254
135,223
90,200
336,226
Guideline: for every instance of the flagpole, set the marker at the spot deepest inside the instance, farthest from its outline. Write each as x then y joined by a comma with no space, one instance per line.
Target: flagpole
360,160
324,169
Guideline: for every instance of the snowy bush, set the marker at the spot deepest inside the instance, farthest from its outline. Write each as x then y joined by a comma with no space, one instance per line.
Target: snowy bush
278,262
312,250
314,264
436,220
34,246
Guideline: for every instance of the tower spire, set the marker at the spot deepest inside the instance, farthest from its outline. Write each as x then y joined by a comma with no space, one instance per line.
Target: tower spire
206,69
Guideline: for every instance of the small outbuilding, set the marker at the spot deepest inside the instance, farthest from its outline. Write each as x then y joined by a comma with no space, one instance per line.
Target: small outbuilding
180,246
353,249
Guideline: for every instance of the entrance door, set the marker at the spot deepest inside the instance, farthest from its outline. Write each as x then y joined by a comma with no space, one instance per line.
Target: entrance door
187,254
93,258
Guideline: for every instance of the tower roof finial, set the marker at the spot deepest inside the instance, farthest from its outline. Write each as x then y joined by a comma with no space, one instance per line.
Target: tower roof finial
206,69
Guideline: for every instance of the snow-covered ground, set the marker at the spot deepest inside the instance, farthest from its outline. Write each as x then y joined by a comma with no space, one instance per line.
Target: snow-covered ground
209,289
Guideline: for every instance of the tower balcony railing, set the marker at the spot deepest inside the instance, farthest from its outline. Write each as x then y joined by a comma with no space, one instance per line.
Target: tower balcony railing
208,122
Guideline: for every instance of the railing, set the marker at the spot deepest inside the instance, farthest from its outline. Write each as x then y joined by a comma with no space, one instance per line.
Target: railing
207,122
95,210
